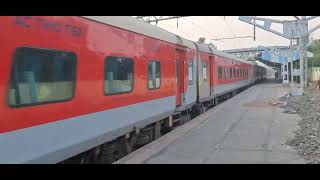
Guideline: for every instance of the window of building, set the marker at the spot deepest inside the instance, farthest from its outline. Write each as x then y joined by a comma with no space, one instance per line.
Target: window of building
219,72
190,72
118,77
154,75
204,70
41,76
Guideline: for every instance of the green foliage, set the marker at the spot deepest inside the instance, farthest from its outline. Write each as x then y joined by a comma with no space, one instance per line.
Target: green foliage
315,49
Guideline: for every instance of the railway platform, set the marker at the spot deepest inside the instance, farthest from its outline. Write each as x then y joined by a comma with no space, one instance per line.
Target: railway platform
249,128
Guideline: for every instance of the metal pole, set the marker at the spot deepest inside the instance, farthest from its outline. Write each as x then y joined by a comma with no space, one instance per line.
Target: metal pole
291,57
306,62
305,56
301,65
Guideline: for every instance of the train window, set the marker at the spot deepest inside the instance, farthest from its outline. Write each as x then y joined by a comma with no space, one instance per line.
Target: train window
41,76
219,72
204,70
154,75
118,77
190,71
230,70
238,73
177,71
226,73
234,73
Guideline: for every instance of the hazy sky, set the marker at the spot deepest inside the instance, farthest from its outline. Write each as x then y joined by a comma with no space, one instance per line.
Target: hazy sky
212,27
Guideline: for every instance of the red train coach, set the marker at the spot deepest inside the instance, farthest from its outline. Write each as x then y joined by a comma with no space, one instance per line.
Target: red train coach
97,86
220,76
69,84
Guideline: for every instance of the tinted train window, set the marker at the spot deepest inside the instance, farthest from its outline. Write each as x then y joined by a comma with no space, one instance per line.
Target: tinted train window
177,71
226,73
41,76
118,77
190,72
204,70
234,73
230,73
154,75
220,72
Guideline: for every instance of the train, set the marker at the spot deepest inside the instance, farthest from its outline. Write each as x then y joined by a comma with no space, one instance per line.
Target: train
92,89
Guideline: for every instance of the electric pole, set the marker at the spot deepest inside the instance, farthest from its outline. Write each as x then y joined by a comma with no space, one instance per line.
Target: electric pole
292,30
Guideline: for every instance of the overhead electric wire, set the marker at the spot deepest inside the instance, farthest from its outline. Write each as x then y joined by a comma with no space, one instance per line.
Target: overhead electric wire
198,26
229,27
186,34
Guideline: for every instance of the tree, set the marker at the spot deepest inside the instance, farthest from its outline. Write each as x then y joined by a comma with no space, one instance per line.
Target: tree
315,49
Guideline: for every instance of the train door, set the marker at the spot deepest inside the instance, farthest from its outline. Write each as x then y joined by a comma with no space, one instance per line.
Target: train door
211,74
180,77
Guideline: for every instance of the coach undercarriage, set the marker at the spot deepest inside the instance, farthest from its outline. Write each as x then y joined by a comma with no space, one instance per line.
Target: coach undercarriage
112,151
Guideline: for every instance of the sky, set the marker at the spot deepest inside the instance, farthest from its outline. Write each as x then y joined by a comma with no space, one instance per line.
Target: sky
215,27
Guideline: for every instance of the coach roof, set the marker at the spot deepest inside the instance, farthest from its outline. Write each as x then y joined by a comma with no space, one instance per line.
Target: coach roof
132,24
140,27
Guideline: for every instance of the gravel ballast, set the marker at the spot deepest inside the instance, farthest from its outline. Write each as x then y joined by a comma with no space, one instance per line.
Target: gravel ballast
307,138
